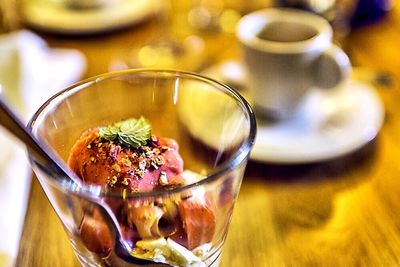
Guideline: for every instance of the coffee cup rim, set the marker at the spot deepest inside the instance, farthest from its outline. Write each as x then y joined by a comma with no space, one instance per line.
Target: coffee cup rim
251,24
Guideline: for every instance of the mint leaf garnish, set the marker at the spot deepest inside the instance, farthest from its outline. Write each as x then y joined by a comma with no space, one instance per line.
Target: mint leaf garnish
130,132
109,132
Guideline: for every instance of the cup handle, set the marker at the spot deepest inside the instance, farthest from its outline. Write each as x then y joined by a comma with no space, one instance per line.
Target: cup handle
331,67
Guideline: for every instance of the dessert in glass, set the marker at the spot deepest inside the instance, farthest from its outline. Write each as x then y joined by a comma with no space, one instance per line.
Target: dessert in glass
164,151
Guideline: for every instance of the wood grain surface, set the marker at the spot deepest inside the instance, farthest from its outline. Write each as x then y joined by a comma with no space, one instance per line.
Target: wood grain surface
342,212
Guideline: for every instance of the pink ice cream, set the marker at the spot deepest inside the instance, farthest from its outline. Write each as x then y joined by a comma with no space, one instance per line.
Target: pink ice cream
109,164
154,166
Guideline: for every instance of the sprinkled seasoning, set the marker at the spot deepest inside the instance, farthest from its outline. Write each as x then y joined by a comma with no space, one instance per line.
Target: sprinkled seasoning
126,159
163,178
142,164
126,162
116,167
160,160
112,181
126,181
153,164
139,173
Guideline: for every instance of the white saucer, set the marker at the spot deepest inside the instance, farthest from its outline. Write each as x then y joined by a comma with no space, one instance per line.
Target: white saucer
328,125
53,17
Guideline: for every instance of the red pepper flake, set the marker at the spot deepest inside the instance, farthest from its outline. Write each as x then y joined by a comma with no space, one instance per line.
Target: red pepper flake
114,150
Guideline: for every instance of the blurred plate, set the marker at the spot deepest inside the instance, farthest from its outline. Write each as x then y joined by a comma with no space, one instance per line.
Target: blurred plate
53,17
328,125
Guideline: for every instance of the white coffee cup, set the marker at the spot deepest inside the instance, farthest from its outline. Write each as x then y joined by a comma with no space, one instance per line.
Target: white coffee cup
287,52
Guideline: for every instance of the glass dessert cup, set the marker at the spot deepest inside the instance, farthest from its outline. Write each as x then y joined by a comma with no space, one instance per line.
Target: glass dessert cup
182,226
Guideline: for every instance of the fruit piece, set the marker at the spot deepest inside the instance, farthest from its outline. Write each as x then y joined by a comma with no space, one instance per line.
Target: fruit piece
95,234
198,221
145,216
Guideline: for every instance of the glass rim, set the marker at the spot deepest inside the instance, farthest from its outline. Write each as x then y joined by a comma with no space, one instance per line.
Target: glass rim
231,163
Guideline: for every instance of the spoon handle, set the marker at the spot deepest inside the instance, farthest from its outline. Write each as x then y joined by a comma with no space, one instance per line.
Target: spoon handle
10,121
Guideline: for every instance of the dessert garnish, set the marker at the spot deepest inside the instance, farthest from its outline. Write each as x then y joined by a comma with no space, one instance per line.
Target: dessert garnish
131,132
126,157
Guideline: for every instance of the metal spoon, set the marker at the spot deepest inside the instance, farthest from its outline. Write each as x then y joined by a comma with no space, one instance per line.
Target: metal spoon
52,166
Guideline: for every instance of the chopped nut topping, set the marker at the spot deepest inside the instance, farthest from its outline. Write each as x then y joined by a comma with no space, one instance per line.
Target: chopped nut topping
116,168
112,180
139,173
160,160
126,162
125,181
163,178
154,165
142,164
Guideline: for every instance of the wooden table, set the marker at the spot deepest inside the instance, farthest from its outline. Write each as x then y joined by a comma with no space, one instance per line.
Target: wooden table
343,212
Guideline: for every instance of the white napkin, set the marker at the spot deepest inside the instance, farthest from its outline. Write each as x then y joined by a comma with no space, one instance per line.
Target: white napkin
30,72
